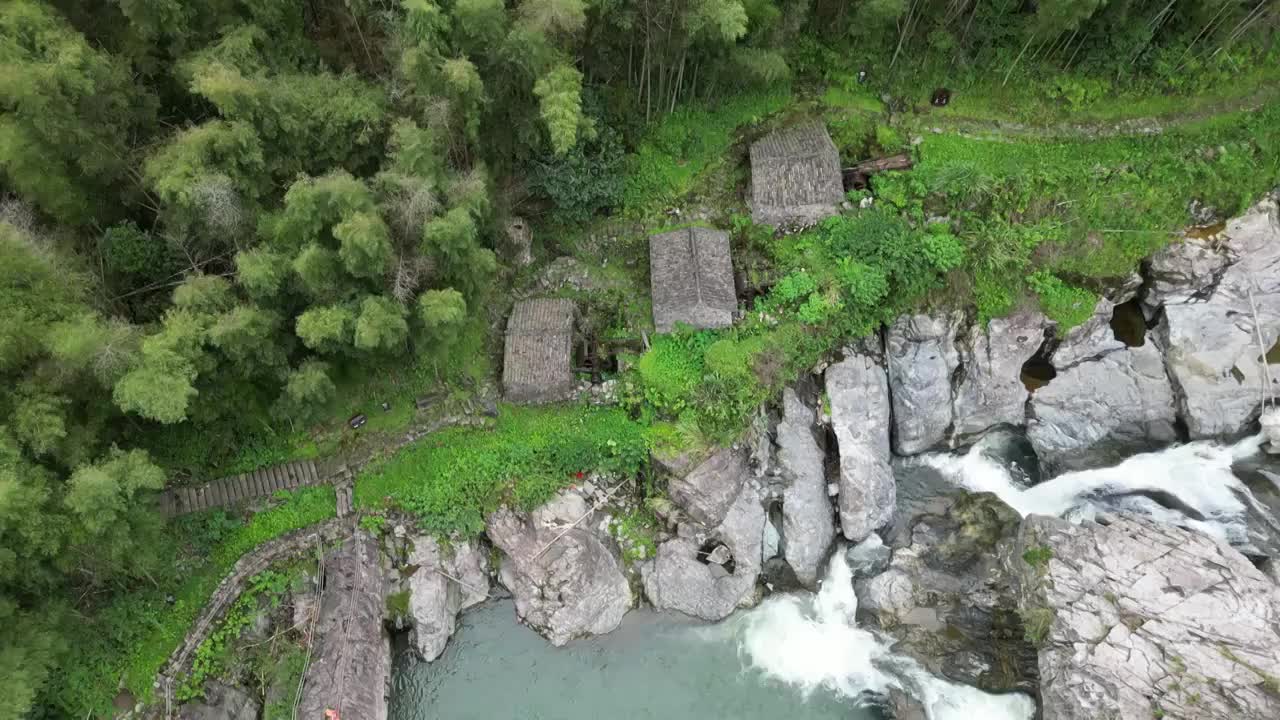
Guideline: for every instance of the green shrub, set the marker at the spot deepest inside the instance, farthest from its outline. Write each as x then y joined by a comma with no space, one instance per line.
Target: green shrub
584,182
676,149
210,659
1069,306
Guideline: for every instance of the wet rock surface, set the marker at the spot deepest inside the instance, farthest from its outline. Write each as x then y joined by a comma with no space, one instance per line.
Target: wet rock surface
566,579
921,358
947,600
858,391
808,525
868,558
1101,410
442,582
1137,620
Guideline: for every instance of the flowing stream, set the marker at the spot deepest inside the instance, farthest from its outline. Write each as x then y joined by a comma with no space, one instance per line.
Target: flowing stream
797,655
1193,485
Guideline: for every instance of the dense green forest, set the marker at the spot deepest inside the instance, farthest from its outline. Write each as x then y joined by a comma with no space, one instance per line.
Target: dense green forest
224,223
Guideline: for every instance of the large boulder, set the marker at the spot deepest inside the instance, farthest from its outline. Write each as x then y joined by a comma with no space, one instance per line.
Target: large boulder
1099,410
991,391
945,597
1183,270
706,492
921,357
708,573
1088,340
1137,620
1215,340
221,702
808,525
859,395
566,581
444,581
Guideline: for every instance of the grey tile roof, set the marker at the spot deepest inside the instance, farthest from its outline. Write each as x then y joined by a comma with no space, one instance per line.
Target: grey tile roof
691,279
795,176
538,359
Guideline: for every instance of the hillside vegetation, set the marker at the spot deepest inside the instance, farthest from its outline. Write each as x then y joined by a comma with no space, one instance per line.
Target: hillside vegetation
228,226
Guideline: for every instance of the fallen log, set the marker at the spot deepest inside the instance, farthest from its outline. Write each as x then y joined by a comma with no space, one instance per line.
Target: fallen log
856,177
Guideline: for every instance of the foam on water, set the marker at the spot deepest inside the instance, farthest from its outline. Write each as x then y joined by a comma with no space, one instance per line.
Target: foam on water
812,642
1197,474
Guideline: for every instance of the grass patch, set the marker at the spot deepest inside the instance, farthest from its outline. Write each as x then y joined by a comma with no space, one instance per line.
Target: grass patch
1063,217
1055,98
454,478
1036,624
1038,557
129,639
637,533
678,149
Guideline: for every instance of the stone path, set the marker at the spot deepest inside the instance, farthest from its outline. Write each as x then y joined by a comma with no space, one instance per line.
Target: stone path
344,486
230,490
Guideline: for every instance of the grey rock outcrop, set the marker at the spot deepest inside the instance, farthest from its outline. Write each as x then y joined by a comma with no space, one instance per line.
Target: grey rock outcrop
1211,339
446,581
1139,620
220,702
921,357
566,582
683,578
868,558
859,394
1099,409
706,492
1182,270
1088,340
991,392
808,525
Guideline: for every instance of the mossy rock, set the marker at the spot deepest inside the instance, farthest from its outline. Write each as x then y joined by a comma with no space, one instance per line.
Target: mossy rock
976,524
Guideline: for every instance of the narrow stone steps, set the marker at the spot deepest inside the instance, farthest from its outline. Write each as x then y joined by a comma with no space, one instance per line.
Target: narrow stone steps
233,489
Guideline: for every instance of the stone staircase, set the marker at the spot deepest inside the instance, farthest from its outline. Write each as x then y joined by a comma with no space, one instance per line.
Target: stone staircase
344,484
230,490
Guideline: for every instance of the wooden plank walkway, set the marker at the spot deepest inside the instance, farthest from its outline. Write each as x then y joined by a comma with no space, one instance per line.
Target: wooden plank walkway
236,488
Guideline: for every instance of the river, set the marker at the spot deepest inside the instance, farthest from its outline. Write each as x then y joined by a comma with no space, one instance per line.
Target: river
801,655
798,655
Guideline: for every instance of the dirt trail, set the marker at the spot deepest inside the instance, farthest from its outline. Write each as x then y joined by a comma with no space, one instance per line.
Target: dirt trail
1011,131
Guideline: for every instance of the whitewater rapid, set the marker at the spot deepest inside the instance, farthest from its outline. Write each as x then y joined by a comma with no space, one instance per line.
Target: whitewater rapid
811,641
1196,476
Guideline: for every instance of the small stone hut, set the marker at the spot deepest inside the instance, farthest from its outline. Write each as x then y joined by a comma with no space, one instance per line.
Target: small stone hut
537,363
795,176
691,276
